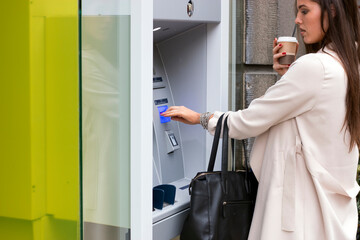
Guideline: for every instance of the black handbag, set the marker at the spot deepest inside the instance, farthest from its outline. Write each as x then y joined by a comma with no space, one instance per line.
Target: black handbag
222,202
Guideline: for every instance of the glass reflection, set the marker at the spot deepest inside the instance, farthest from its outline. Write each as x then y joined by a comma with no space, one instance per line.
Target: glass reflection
105,125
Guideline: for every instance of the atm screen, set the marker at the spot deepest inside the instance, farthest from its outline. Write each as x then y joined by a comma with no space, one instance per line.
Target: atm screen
162,109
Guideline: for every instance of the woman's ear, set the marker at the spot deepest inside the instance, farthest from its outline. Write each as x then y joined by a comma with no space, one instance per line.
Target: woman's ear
333,11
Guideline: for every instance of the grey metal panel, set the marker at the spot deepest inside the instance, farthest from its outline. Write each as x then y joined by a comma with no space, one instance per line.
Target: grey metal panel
175,10
157,177
185,62
169,165
260,30
94,231
171,28
169,227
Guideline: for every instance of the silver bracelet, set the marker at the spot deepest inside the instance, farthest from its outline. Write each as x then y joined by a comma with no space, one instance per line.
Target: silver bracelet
204,119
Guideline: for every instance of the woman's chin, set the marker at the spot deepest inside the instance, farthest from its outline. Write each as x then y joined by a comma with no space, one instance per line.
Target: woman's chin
312,40
307,41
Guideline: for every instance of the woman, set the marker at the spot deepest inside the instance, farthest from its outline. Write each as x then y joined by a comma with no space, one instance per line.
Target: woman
308,131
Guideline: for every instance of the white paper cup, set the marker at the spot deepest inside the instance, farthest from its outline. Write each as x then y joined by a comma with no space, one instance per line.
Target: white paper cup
289,46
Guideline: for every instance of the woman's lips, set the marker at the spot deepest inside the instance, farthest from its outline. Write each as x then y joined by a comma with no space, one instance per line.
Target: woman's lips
302,32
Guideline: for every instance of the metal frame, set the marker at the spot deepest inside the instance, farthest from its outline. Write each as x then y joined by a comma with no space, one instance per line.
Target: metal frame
141,115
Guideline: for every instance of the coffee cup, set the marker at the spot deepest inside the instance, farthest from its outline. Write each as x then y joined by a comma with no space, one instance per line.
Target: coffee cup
289,45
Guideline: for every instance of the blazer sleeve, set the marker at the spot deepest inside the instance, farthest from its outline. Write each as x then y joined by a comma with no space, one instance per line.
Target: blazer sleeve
294,94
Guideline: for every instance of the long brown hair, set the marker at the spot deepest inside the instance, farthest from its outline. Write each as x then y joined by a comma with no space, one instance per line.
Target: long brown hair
344,35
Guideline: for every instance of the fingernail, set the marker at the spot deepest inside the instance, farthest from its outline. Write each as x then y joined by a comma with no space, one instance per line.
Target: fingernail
280,45
283,53
289,65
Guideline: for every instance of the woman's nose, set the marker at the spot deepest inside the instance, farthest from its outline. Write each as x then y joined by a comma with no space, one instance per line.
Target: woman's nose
297,20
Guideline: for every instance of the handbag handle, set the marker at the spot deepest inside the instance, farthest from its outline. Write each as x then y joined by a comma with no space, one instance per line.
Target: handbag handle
215,144
224,161
225,147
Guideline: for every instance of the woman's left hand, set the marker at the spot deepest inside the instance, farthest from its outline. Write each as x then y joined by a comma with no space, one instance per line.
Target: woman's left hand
182,114
280,68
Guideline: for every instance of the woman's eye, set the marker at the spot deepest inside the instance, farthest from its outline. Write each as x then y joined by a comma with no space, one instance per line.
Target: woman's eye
304,11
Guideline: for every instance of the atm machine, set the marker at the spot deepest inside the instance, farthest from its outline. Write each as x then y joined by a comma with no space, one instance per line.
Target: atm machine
190,45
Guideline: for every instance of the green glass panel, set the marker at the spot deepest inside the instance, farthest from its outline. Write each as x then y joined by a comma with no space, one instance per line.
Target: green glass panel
39,163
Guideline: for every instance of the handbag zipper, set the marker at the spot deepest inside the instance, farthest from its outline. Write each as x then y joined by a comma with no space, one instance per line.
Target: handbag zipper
240,204
237,202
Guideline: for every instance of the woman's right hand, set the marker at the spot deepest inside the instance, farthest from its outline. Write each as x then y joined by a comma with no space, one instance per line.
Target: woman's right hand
182,114
279,68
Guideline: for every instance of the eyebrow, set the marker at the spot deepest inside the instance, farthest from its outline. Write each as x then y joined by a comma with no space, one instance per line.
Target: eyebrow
302,5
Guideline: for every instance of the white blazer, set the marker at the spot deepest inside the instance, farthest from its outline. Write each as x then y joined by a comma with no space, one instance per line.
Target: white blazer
307,176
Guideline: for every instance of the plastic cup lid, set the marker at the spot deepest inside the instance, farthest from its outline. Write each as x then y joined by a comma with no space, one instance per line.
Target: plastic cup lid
287,39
